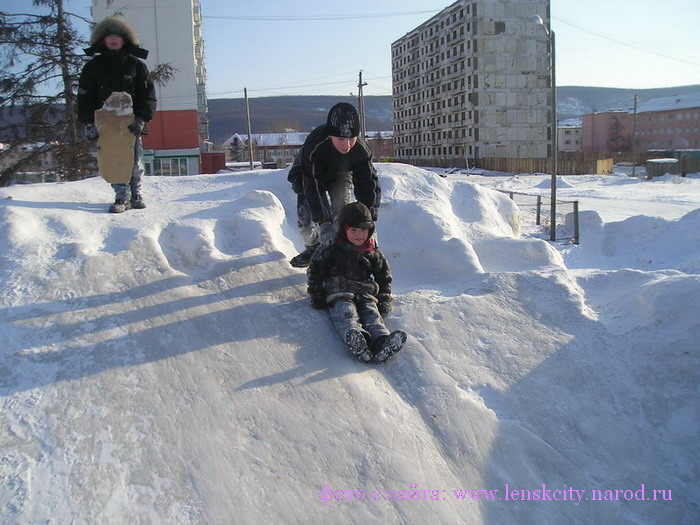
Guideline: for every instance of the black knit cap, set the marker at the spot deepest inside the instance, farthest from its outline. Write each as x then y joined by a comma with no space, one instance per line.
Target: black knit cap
343,121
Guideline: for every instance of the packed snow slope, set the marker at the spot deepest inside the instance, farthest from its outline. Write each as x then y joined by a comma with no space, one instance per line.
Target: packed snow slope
165,366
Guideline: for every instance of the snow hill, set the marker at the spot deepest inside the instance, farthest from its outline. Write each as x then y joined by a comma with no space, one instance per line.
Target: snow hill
164,365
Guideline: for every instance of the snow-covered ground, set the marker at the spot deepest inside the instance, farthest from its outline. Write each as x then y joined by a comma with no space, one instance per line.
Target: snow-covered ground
164,365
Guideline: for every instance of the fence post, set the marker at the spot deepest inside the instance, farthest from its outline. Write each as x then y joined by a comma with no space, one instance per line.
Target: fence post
576,230
539,209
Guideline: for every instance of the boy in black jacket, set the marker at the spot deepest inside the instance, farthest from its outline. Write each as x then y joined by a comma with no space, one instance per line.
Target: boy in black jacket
116,67
351,278
333,157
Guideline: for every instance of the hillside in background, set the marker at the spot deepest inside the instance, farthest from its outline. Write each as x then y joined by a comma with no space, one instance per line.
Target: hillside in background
274,114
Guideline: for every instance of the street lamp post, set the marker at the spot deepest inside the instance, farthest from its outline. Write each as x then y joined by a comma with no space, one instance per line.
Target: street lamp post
553,184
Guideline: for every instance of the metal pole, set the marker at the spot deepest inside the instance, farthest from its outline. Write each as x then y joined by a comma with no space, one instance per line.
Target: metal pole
634,138
553,184
553,127
361,104
250,136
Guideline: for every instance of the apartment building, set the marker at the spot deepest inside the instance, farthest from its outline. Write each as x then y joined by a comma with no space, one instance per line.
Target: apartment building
171,30
607,131
665,123
669,123
472,82
569,135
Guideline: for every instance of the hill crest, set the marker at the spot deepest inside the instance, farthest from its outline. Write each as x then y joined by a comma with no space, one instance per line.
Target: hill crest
303,113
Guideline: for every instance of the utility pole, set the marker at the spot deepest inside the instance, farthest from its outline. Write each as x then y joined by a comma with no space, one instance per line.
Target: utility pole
634,137
250,135
553,80
555,146
361,108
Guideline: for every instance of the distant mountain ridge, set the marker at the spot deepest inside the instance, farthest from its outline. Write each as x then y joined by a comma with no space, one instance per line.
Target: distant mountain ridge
300,113
303,113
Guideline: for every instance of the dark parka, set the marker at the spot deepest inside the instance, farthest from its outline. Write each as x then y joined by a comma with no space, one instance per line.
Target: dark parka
342,269
319,165
111,71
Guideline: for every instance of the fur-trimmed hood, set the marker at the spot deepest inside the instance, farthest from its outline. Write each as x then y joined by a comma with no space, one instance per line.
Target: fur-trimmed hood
116,25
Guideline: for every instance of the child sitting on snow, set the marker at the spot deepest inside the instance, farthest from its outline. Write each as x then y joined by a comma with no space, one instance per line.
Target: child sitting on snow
352,279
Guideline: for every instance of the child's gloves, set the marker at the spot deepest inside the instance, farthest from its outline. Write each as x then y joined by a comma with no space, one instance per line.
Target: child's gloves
136,127
91,132
384,305
318,302
327,233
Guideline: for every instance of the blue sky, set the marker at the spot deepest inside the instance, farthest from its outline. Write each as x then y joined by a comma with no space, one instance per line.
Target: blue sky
612,43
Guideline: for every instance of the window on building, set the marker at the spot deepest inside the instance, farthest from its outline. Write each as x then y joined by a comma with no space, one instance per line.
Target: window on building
170,166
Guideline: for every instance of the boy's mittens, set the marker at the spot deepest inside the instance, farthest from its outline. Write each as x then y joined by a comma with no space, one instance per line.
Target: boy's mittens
384,306
318,302
91,132
136,127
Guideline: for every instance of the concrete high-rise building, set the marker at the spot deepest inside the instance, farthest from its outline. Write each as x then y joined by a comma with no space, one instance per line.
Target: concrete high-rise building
171,31
473,82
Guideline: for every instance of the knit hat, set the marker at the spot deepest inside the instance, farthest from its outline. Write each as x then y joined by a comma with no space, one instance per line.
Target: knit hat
355,215
343,121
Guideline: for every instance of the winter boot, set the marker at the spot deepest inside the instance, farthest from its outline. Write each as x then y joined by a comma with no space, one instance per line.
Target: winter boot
137,202
304,258
356,342
388,345
120,206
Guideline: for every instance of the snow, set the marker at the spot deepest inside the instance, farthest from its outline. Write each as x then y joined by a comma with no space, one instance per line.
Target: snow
691,101
164,365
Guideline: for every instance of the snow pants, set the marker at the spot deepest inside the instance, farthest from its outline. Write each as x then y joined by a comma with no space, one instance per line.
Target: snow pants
339,194
361,314
126,191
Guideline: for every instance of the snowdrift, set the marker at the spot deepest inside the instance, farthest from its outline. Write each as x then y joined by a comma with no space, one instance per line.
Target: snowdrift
164,365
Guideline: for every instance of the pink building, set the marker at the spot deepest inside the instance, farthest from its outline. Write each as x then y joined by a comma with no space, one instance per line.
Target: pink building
669,123
606,132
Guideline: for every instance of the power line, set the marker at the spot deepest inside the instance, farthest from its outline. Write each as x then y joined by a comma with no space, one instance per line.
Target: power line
307,18
625,43
269,88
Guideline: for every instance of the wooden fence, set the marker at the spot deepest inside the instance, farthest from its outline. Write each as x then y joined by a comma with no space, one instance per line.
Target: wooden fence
567,164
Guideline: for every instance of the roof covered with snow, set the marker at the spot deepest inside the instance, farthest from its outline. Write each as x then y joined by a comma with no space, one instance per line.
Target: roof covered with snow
290,138
670,103
570,123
